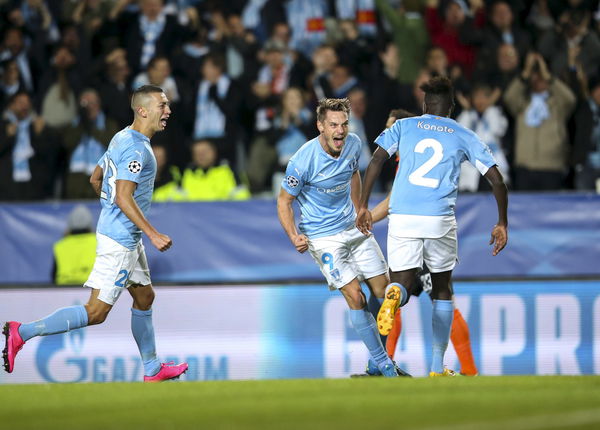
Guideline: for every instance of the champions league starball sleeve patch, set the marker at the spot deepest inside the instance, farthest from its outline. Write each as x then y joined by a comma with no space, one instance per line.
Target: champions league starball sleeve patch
134,166
292,181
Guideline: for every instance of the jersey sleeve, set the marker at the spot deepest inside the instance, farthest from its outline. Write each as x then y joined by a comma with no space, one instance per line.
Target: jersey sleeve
390,138
295,177
479,154
130,163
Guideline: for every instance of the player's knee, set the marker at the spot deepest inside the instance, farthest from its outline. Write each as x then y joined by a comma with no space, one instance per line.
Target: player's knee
96,315
144,301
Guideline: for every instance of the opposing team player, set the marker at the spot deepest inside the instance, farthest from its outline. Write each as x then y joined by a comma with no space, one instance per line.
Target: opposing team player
323,177
422,224
124,180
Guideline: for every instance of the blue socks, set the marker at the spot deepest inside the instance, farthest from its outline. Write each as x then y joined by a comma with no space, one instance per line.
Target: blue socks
374,304
443,312
60,321
143,333
366,327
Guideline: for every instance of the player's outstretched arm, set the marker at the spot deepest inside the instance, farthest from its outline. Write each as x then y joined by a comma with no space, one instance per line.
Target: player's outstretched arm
500,230
285,212
382,209
363,218
96,180
124,199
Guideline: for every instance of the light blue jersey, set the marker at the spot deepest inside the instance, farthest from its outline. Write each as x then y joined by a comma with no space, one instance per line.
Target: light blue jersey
321,183
431,149
129,157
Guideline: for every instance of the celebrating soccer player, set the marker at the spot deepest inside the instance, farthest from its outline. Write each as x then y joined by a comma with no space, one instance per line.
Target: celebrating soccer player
323,177
124,180
422,224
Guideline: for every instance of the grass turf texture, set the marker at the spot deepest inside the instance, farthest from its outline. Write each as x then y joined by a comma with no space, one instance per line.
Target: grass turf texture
509,402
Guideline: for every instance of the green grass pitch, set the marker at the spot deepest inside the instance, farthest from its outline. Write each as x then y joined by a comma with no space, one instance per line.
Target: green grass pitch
461,403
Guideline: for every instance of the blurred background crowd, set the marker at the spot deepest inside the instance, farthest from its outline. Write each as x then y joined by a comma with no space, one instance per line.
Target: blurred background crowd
244,76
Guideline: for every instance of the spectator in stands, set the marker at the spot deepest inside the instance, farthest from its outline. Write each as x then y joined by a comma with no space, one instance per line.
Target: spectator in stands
572,31
502,70
75,253
487,120
29,60
114,89
361,13
409,34
306,19
28,152
84,143
61,85
238,44
10,81
541,105
146,33
204,179
273,79
358,124
457,32
354,49
586,150
217,102
271,151
167,184
159,73
324,59
187,59
502,29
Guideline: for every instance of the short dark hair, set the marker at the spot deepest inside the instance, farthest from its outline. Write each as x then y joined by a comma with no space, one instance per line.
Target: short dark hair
143,91
335,105
439,93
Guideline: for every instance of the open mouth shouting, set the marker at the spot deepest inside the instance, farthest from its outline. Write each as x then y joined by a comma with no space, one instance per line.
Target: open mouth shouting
338,141
163,121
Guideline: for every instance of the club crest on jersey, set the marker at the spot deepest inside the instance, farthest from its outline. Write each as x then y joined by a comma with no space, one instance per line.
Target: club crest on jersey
134,166
292,181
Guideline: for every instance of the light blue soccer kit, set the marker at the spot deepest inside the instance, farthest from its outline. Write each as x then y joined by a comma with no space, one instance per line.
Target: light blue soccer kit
423,197
422,222
321,185
121,260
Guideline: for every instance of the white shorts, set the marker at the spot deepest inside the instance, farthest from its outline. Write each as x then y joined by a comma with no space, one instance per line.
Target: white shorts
347,255
440,254
117,268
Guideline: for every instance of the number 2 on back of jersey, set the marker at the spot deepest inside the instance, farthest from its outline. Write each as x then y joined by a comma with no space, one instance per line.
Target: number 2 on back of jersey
418,176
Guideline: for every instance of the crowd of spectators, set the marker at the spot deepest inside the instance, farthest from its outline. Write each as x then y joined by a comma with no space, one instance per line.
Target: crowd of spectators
244,76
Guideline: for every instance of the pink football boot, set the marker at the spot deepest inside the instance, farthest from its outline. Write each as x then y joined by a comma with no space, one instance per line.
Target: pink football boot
13,344
168,371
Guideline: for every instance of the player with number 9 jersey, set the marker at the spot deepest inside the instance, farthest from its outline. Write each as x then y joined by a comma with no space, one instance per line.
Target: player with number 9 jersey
128,157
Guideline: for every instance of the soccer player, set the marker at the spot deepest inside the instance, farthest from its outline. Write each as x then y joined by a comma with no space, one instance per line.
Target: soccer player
323,176
124,179
422,224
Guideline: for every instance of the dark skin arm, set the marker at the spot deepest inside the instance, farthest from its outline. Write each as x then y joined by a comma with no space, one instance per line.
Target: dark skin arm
96,179
500,230
124,199
364,221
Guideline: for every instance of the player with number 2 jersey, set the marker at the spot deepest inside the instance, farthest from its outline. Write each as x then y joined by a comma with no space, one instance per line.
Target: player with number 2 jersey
422,225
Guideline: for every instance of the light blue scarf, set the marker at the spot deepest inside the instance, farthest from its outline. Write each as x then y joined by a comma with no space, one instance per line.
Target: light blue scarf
23,150
210,121
537,111
151,31
89,150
